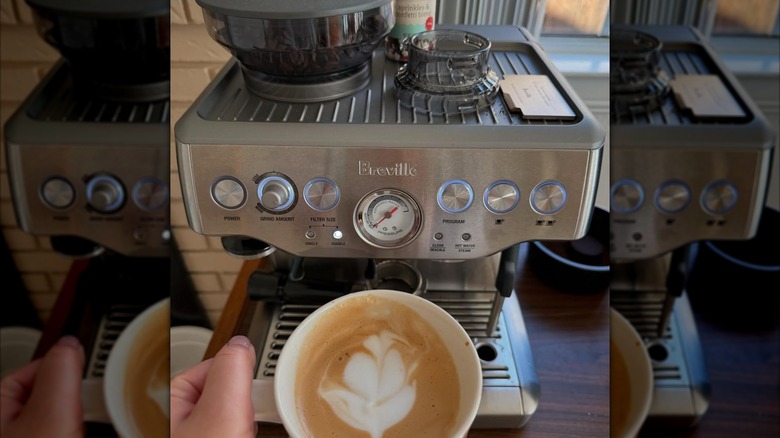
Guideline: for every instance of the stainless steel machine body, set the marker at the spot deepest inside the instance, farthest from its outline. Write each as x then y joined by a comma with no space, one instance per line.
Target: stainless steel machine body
360,177
90,168
679,177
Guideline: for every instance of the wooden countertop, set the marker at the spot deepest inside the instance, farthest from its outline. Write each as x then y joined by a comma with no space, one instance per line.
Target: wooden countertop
569,336
743,365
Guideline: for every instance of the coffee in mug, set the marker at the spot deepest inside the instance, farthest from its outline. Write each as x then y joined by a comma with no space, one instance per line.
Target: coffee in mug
378,364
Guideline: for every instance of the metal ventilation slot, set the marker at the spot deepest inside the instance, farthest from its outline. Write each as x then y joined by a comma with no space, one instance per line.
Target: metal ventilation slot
108,112
666,372
375,104
111,326
64,105
673,63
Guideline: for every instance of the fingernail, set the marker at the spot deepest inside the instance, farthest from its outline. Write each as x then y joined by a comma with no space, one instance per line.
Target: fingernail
240,340
69,341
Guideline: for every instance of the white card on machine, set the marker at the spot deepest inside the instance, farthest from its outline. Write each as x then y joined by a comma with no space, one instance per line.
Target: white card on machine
535,97
705,96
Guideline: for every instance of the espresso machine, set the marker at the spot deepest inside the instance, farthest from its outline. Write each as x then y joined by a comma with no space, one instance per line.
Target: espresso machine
345,177
690,162
88,163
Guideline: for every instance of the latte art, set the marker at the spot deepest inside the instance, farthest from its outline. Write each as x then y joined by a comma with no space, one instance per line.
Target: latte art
377,390
375,369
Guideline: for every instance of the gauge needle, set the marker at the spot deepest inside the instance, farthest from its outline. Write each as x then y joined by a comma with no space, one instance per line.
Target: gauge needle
387,215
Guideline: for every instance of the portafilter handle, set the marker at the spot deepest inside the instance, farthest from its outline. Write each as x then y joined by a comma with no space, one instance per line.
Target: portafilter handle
504,285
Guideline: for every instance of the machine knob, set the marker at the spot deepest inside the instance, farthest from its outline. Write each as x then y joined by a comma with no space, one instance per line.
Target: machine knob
501,197
672,196
455,196
275,193
627,196
719,197
150,194
105,194
228,192
548,197
321,194
57,192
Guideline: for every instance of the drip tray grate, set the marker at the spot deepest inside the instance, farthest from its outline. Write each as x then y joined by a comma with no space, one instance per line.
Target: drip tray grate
111,326
471,310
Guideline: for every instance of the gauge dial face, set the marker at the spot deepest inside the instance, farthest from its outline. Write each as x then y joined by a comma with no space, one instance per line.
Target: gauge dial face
388,218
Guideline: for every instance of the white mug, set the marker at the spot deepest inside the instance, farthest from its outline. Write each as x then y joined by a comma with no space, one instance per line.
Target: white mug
282,409
104,400
640,374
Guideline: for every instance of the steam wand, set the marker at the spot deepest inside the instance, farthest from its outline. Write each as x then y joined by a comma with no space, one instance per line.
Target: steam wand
675,283
504,285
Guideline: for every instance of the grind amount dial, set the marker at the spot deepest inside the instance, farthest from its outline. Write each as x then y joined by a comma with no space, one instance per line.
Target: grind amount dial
388,218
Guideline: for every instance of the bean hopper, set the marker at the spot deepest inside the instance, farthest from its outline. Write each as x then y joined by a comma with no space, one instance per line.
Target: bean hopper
88,162
349,171
690,161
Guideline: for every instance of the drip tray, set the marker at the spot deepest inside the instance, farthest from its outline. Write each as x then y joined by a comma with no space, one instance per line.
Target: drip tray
510,386
681,385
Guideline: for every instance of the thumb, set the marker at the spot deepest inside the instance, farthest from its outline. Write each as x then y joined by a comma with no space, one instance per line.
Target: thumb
226,397
56,393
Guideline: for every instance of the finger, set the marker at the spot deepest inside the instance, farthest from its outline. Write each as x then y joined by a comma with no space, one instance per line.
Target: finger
56,392
15,389
227,393
186,389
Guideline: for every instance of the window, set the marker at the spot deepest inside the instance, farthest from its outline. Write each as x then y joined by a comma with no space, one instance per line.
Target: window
549,17
573,17
746,17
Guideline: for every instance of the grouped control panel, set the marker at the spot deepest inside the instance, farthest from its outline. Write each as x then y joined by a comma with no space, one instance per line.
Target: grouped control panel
128,215
104,193
384,218
673,196
667,203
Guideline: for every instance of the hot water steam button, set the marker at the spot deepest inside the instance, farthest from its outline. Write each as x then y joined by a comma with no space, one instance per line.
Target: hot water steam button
455,196
501,197
627,196
228,192
57,192
105,193
548,197
672,196
719,197
275,193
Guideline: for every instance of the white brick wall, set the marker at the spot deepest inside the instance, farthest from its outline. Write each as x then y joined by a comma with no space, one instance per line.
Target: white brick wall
195,59
24,60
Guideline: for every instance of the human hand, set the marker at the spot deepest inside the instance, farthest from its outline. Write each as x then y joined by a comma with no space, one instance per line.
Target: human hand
213,398
43,398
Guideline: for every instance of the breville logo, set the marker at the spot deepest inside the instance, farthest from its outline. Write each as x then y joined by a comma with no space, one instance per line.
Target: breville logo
398,169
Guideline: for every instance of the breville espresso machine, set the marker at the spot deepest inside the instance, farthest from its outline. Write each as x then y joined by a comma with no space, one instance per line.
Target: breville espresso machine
88,162
690,161
345,177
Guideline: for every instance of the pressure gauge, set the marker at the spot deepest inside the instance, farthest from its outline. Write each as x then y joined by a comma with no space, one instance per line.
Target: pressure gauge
388,218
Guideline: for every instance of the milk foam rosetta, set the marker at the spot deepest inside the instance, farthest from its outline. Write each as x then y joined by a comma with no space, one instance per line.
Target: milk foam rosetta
374,368
377,390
